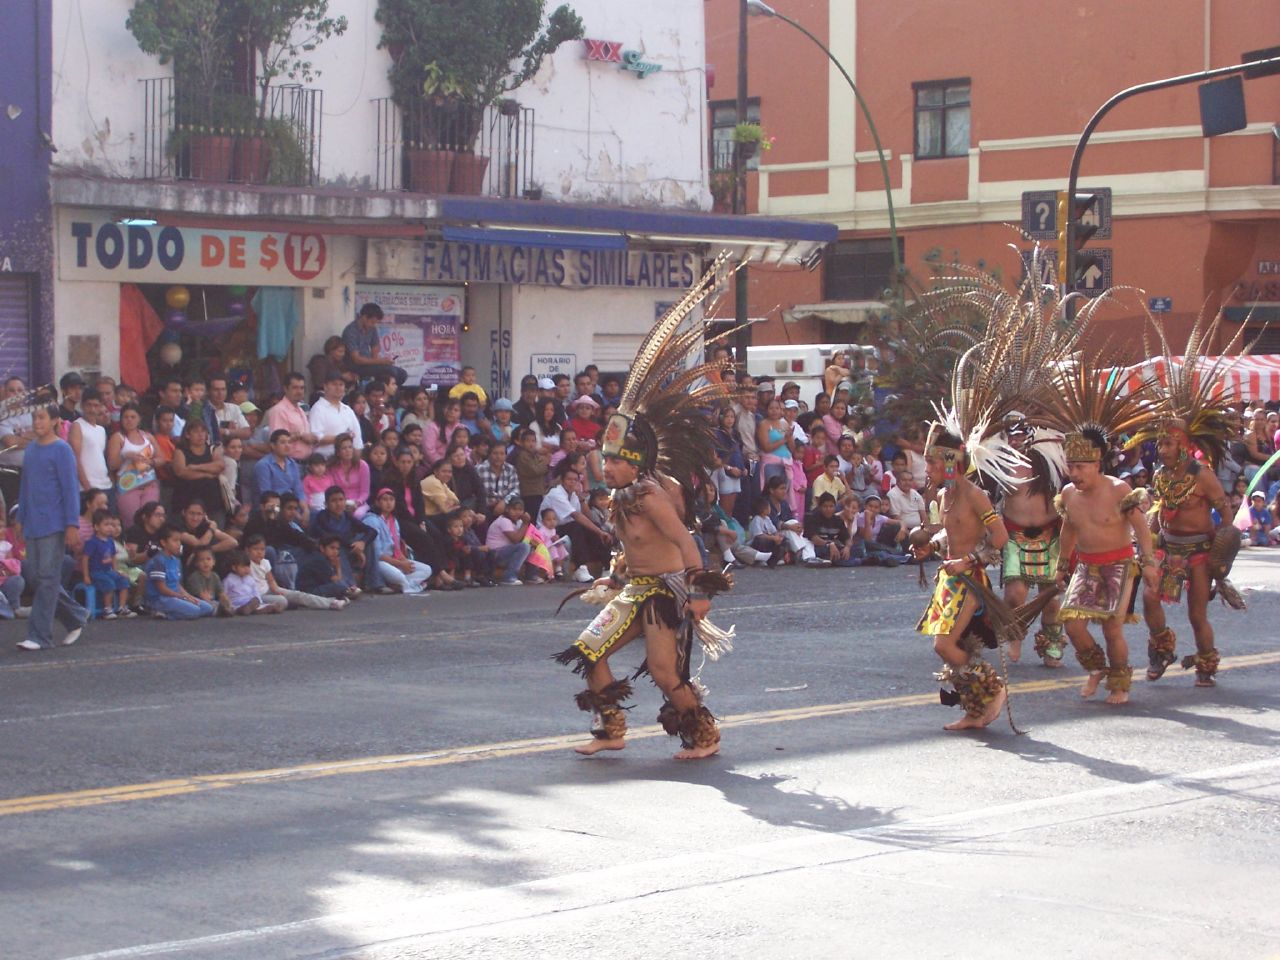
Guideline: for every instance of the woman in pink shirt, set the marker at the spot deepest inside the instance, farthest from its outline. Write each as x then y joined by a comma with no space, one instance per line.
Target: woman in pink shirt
349,472
436,435
834,422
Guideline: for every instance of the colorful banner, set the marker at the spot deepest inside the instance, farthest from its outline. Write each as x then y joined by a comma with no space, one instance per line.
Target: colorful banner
92,246
420,328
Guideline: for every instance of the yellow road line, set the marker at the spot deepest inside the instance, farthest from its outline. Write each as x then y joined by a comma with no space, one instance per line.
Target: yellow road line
497,751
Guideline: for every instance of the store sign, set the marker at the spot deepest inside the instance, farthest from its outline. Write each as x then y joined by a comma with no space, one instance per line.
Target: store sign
610,51
93,247
549,364
420,329
456,262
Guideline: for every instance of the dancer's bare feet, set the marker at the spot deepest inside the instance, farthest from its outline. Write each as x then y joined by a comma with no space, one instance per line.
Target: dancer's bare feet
592,747
1206,682
1090,685
1118,697
1015,650
993,708
698,753
1051,663
966,722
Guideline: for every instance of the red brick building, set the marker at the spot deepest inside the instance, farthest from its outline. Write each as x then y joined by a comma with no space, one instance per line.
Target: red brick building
976,103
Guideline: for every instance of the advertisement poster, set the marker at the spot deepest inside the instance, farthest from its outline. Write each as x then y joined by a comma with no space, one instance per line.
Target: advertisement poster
420,328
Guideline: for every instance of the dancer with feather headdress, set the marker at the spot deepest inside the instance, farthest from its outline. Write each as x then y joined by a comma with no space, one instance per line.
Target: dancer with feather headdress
1102,516
1189,424
656,449
1022,346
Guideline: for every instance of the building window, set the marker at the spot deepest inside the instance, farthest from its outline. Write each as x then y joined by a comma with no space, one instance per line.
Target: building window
942,119
858,269
724,117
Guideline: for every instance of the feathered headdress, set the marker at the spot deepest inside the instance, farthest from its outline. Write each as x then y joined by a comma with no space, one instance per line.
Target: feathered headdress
661,426
1086,400
1190,398
1026,338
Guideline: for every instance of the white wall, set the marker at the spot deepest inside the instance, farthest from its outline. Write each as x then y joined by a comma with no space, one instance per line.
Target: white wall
556,320
602,133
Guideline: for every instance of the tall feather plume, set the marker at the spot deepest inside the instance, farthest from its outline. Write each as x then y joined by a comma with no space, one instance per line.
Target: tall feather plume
657,342
1196,389
1089,390
1026,339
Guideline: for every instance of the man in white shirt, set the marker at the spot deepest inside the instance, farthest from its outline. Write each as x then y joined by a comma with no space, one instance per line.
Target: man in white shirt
330,417
587,542
15,433
906,505
231,419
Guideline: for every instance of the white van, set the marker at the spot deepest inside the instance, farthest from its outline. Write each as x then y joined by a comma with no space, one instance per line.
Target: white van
803,363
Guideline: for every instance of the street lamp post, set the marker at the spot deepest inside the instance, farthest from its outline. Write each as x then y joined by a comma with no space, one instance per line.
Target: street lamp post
759,8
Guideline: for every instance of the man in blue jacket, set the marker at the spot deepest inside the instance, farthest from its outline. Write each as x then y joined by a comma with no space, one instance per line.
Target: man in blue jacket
49,520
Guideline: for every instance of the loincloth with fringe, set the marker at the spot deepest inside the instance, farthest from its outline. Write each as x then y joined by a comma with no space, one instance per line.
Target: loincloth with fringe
656,598
1031,555
1100,587
1177,554
949,594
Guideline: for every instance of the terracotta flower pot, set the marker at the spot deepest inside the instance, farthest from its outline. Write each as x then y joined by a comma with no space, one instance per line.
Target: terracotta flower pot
429,170
210,157
468,174
252,159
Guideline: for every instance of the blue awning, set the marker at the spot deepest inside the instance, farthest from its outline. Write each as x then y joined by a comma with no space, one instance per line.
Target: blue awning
499,221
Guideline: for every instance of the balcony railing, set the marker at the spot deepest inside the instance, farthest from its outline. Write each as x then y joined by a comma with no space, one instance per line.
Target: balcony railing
230,138
455,149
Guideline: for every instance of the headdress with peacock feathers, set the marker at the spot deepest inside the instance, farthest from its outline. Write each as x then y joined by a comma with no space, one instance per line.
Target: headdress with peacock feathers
1190,399
661,425
1027,337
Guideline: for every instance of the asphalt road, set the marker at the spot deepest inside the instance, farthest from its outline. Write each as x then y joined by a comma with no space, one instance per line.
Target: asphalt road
395,781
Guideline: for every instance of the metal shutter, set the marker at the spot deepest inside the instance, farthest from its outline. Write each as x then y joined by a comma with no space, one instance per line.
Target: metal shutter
15,327
614,351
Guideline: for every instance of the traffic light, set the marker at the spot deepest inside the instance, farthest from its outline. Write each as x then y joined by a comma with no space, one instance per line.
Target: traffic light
1078,220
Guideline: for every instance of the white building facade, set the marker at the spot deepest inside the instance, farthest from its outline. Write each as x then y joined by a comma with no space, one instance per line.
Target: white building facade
589,218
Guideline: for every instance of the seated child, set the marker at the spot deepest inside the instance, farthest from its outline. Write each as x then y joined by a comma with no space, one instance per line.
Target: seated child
203,582
598,510
270,592
557,546
325,574
98,568
479,550
242,589
316,482
764,534
12,583
166,596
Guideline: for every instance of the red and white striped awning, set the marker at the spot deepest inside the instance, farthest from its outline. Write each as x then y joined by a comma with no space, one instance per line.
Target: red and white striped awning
1250,380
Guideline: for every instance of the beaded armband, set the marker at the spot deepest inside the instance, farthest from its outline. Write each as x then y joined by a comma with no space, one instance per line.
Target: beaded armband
990,517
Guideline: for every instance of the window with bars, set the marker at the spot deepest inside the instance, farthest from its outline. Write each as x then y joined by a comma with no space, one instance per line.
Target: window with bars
724,117
942,119
858,269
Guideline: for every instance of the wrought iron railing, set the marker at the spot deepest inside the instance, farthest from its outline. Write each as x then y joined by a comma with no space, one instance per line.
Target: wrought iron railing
500,137
276,142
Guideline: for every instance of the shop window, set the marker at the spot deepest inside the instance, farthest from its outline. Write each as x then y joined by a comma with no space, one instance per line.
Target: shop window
858,269
942,119
724,117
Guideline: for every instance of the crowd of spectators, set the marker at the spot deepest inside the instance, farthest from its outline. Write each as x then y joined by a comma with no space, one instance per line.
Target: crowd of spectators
199,500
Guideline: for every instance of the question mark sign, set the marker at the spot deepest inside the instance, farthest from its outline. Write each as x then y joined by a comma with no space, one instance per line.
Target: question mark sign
1042,211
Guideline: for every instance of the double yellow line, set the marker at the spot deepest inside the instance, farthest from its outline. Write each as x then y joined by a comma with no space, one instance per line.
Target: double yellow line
496,751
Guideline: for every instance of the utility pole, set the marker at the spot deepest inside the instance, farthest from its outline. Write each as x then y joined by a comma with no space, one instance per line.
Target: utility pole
740,192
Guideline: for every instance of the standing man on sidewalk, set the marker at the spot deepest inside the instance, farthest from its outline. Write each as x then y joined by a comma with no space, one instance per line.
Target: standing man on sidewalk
49,519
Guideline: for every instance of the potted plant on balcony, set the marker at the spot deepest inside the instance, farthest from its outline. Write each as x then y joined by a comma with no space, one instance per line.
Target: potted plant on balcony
750,138
450,61
196,37
281,35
